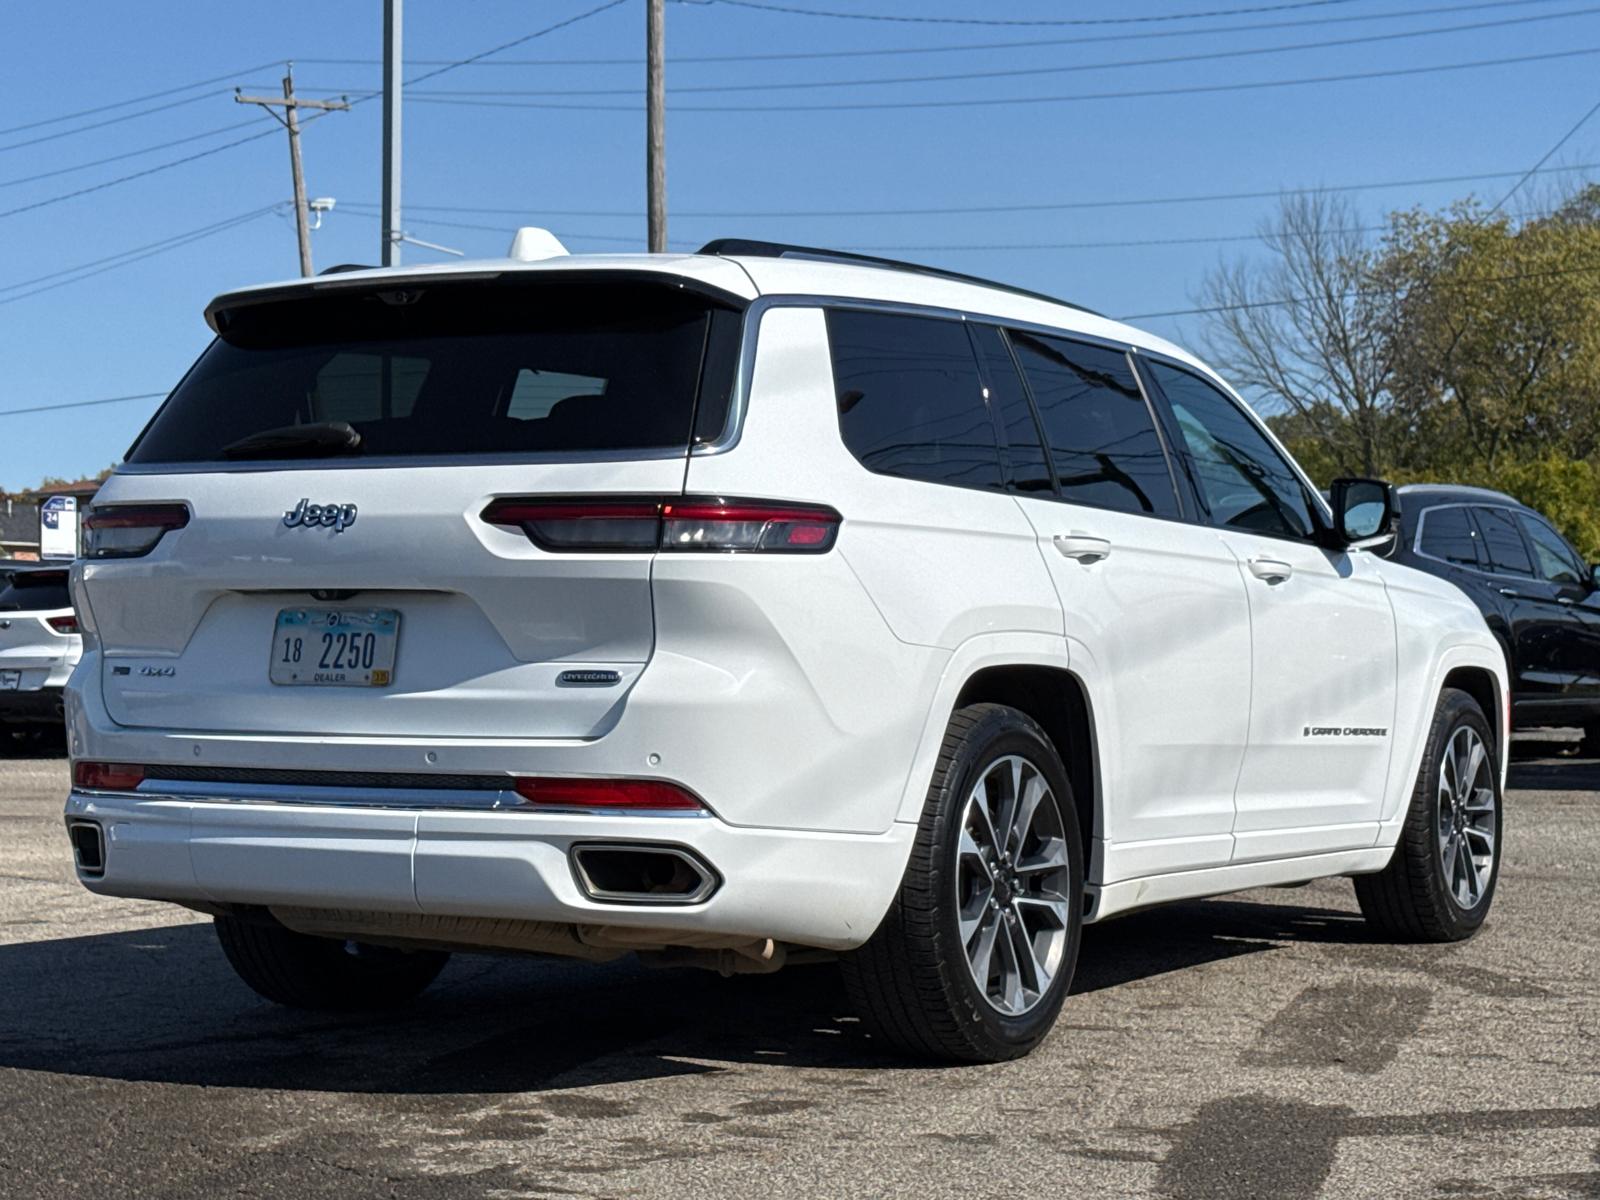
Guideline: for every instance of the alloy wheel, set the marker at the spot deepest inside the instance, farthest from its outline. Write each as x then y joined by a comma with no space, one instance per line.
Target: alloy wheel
1466,816
1012,880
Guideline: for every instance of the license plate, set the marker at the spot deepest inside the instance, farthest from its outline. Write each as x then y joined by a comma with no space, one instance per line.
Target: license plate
334,647
10,681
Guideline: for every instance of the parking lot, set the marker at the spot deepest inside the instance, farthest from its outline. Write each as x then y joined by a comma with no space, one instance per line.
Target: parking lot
1255,1045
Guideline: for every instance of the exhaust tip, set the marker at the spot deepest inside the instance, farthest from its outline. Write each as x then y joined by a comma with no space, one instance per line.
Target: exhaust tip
612,873
88,847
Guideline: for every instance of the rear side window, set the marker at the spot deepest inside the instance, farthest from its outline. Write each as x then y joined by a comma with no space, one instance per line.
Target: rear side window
1103,441
1246,483
1030,470
1554,558
451,369
910,400
1448,534
35,591
1507,554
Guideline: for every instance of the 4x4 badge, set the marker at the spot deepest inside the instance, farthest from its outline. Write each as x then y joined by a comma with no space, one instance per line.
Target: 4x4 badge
340,516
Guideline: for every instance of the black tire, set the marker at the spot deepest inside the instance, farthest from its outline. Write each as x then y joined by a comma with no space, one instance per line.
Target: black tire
911,982
1415,898
321,973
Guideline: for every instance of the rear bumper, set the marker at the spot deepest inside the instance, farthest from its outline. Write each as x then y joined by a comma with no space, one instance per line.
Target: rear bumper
817,889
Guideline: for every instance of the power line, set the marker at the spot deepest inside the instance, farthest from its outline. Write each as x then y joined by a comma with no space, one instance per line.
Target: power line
1167,60
847,16
1131,94
996,208
89,112
144,112
101,265
583,16
11,412
177,162
1139,35
100,162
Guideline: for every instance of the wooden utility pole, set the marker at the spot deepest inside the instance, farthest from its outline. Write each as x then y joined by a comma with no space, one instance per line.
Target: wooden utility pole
656,122
392,234
291,121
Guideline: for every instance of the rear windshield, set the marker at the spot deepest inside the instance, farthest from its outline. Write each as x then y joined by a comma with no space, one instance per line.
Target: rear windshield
35,591
455,369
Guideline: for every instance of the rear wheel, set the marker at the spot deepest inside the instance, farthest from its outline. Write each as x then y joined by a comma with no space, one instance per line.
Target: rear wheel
322,973
1440,882
975,956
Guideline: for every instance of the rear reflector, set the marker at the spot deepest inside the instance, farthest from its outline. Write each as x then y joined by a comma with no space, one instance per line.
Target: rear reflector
63,624
605,793
129,530
674,523
107,777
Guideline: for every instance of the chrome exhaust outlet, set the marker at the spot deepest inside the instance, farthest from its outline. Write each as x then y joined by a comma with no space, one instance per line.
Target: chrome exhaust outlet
88,847
620,873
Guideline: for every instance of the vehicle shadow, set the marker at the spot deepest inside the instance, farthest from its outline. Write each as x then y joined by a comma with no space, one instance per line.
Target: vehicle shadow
163,1005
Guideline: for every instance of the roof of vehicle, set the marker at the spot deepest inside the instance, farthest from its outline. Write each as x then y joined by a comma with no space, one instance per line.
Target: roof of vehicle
749,276
1454,490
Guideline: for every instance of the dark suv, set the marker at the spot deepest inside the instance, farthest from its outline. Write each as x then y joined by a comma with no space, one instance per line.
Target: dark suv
1540,598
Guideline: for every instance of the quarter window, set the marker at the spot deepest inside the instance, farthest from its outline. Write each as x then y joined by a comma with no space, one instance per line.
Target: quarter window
1553,557
910,399
1103,441
1246,483
1507,554
1448,534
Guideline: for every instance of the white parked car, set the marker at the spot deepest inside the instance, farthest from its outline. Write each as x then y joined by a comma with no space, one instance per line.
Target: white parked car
39,646
741,608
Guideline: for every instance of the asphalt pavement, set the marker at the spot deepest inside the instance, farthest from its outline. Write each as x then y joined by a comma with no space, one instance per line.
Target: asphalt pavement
1257,1045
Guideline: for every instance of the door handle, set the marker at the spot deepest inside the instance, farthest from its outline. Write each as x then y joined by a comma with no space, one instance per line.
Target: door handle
1271,569
1567,600
1512,592
1082,546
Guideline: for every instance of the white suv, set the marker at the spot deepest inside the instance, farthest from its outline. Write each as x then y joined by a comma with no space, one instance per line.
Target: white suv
741,608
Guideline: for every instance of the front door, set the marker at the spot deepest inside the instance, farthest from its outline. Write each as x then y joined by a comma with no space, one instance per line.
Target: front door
1322,678
1563,616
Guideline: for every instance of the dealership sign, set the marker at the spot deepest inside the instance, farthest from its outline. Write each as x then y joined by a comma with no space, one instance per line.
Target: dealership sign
58,528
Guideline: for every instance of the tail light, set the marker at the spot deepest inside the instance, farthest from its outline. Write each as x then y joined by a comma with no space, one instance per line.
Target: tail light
107,776
606,794
68,624
673,524
130,530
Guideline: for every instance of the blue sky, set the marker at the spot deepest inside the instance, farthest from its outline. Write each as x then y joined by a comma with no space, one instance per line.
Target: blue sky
745,157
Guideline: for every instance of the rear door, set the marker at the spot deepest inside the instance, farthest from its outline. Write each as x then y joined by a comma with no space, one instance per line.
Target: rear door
1541,625
1573,639
1156,615
1322,694
336,455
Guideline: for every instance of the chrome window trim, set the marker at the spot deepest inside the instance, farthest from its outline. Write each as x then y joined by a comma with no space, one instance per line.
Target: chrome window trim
749,335
391,461
1324,509
1416,542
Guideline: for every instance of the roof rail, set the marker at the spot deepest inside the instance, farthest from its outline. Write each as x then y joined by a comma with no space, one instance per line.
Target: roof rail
747,248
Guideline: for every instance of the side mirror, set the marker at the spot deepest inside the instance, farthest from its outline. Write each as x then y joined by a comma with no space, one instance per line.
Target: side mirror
1365,512
1594,575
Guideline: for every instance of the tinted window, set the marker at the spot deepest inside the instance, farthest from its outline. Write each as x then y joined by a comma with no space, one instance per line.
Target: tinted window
910,400
1246,483
1030,472
1103,442
453,369
35,592
1553,557
1448,533
1507,554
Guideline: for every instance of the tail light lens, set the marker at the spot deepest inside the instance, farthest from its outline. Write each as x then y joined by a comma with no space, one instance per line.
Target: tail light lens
606,794
676,524
63,624
129,530
107,776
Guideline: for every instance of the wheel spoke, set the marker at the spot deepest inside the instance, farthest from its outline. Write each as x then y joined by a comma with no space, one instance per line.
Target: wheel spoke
1469,874
1032,978
1479,841
968,851
980,954
1010,972
1481,801
1032,793
1052,856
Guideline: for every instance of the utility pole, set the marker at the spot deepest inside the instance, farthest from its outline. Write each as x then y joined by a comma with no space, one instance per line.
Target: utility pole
392,234
291,121
655,80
